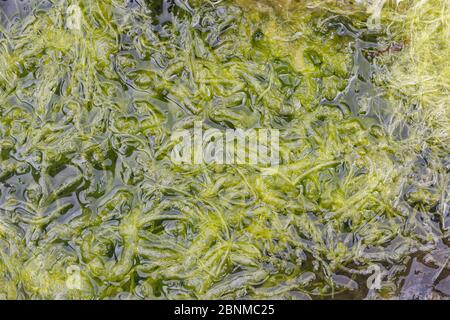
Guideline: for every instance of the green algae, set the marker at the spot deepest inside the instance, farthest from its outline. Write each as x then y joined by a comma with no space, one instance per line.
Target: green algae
90,92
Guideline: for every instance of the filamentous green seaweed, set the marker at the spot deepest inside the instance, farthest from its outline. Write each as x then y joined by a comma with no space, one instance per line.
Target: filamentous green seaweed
92,207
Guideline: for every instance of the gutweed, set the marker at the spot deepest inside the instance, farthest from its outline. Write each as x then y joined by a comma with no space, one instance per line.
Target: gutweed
91,205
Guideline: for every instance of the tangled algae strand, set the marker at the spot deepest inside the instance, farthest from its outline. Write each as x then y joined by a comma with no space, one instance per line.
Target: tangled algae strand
91,91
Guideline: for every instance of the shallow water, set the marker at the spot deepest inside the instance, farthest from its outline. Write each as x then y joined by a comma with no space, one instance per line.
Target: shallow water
91,205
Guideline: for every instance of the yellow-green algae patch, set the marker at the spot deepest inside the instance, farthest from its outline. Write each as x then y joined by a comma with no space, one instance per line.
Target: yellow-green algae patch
91,205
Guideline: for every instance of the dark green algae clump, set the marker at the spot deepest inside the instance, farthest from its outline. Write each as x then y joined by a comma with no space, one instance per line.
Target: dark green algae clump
91,91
